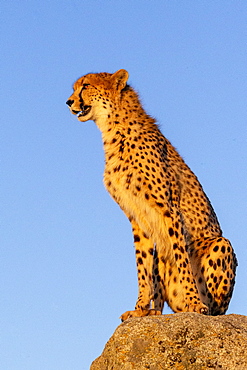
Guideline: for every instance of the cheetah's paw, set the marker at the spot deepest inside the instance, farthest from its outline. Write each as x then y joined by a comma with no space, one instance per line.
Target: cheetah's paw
139,313
199,308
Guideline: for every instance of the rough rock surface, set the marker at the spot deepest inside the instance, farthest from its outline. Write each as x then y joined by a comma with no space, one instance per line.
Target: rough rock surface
177,341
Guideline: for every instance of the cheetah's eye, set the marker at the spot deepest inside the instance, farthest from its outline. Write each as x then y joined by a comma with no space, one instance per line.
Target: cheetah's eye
84,86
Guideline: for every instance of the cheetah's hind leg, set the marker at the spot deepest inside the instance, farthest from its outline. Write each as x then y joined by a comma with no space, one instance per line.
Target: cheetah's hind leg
214,265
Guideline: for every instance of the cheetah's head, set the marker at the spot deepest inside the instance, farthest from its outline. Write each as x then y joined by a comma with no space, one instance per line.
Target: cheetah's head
95,94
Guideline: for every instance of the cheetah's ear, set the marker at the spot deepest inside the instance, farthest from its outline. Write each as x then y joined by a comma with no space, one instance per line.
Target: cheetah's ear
119,79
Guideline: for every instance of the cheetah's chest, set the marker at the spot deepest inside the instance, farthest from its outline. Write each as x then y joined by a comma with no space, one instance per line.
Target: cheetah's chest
145,182
136,185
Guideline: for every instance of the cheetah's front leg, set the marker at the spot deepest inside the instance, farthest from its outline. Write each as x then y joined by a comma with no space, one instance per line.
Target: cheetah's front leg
173,270
144,250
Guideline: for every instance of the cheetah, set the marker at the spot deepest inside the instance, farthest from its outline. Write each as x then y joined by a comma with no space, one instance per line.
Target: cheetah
181,256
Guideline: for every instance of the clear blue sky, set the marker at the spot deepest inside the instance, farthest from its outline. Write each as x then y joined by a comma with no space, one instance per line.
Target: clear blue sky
66,253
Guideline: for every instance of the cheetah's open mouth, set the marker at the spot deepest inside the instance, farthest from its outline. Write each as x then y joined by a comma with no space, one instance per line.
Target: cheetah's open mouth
85,110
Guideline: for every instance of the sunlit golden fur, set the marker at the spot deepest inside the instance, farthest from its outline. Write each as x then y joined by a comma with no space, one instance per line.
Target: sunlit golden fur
181,256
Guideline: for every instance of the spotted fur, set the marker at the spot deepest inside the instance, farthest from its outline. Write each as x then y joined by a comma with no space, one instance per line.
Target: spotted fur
181,255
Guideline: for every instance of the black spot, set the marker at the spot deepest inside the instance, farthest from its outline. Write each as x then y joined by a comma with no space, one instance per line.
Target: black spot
136,238
216,248
128,180
144,254
160,204
140,261
171,231
116,169
162,258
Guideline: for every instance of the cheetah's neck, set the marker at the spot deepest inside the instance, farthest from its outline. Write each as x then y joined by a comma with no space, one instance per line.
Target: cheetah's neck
125,118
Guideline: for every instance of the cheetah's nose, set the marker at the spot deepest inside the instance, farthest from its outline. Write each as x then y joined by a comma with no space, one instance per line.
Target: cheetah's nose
69,102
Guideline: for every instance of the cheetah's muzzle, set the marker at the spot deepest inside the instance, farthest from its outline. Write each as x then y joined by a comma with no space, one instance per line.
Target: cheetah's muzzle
85,109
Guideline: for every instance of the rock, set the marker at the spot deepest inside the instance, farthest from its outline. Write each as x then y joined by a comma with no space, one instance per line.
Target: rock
179,341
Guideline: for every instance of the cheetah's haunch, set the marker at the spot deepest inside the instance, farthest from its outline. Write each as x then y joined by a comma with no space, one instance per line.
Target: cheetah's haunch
181,256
